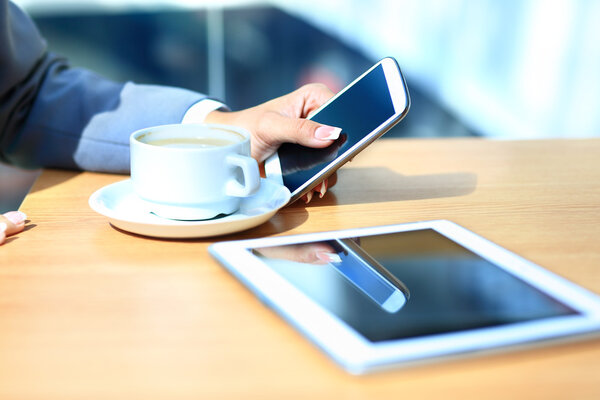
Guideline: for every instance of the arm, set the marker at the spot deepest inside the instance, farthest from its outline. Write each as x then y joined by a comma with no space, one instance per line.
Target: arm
52,115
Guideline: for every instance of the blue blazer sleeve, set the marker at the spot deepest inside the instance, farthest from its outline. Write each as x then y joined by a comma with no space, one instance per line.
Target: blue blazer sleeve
52,115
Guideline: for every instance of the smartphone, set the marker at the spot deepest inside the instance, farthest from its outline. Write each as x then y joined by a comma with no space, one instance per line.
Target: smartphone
365,109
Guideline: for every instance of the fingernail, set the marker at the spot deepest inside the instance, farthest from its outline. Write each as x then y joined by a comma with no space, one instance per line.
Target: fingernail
323,189
3,227
329,257
16,217
309,196
327,132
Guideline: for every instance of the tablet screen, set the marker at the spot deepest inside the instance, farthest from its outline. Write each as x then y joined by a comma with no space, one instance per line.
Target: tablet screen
408,284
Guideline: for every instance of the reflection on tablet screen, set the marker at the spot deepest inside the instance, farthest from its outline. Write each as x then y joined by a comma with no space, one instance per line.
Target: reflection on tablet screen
408,284
368,276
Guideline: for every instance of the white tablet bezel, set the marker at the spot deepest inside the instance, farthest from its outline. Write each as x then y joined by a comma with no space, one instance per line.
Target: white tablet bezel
358,355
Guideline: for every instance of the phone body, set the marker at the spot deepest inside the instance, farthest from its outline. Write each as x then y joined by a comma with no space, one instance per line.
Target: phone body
365,109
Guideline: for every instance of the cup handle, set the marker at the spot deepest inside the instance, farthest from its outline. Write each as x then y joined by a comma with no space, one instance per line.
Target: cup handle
251,176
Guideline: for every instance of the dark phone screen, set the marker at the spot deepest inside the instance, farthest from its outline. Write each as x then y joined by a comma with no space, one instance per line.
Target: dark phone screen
358,111
451,288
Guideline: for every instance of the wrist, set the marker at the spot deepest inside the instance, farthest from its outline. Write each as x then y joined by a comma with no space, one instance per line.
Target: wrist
198,112
218,117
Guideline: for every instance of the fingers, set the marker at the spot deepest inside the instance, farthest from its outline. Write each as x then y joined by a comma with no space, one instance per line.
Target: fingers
314,95
307,197
325,257
310,253
321,188
10,223
332,180
283,120
14,221
314,253
286,121
279,128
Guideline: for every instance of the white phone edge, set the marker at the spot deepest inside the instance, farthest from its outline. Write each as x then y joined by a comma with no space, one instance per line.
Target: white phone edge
396,85
273,169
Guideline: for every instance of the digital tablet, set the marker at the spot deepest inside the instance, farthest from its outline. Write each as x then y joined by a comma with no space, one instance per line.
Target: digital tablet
379,297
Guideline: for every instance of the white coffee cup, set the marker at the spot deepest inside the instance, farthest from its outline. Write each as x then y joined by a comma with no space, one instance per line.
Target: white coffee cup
192,171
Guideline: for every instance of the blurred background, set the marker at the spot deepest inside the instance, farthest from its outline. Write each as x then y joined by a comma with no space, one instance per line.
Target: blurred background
518,69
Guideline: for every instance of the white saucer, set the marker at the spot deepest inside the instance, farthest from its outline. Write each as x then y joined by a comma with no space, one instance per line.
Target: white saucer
126,211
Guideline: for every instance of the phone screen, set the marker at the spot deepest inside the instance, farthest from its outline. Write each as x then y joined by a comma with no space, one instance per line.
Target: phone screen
358,111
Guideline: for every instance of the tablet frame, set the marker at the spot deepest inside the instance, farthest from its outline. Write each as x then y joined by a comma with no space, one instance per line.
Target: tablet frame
358,355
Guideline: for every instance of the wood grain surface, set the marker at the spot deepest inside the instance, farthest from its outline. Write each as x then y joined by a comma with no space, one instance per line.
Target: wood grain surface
91,312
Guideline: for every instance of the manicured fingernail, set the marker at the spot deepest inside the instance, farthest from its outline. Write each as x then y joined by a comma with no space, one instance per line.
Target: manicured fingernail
329,257
3,227
16,217
309,197
327,132
323,189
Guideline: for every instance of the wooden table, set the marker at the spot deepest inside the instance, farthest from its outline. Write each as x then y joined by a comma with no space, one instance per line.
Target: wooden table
88,311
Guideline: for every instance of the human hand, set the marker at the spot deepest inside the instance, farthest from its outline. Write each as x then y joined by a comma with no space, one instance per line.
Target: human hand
318,253
10,223
311,157
284,120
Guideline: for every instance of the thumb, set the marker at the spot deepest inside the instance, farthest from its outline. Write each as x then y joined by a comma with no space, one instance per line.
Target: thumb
302,131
